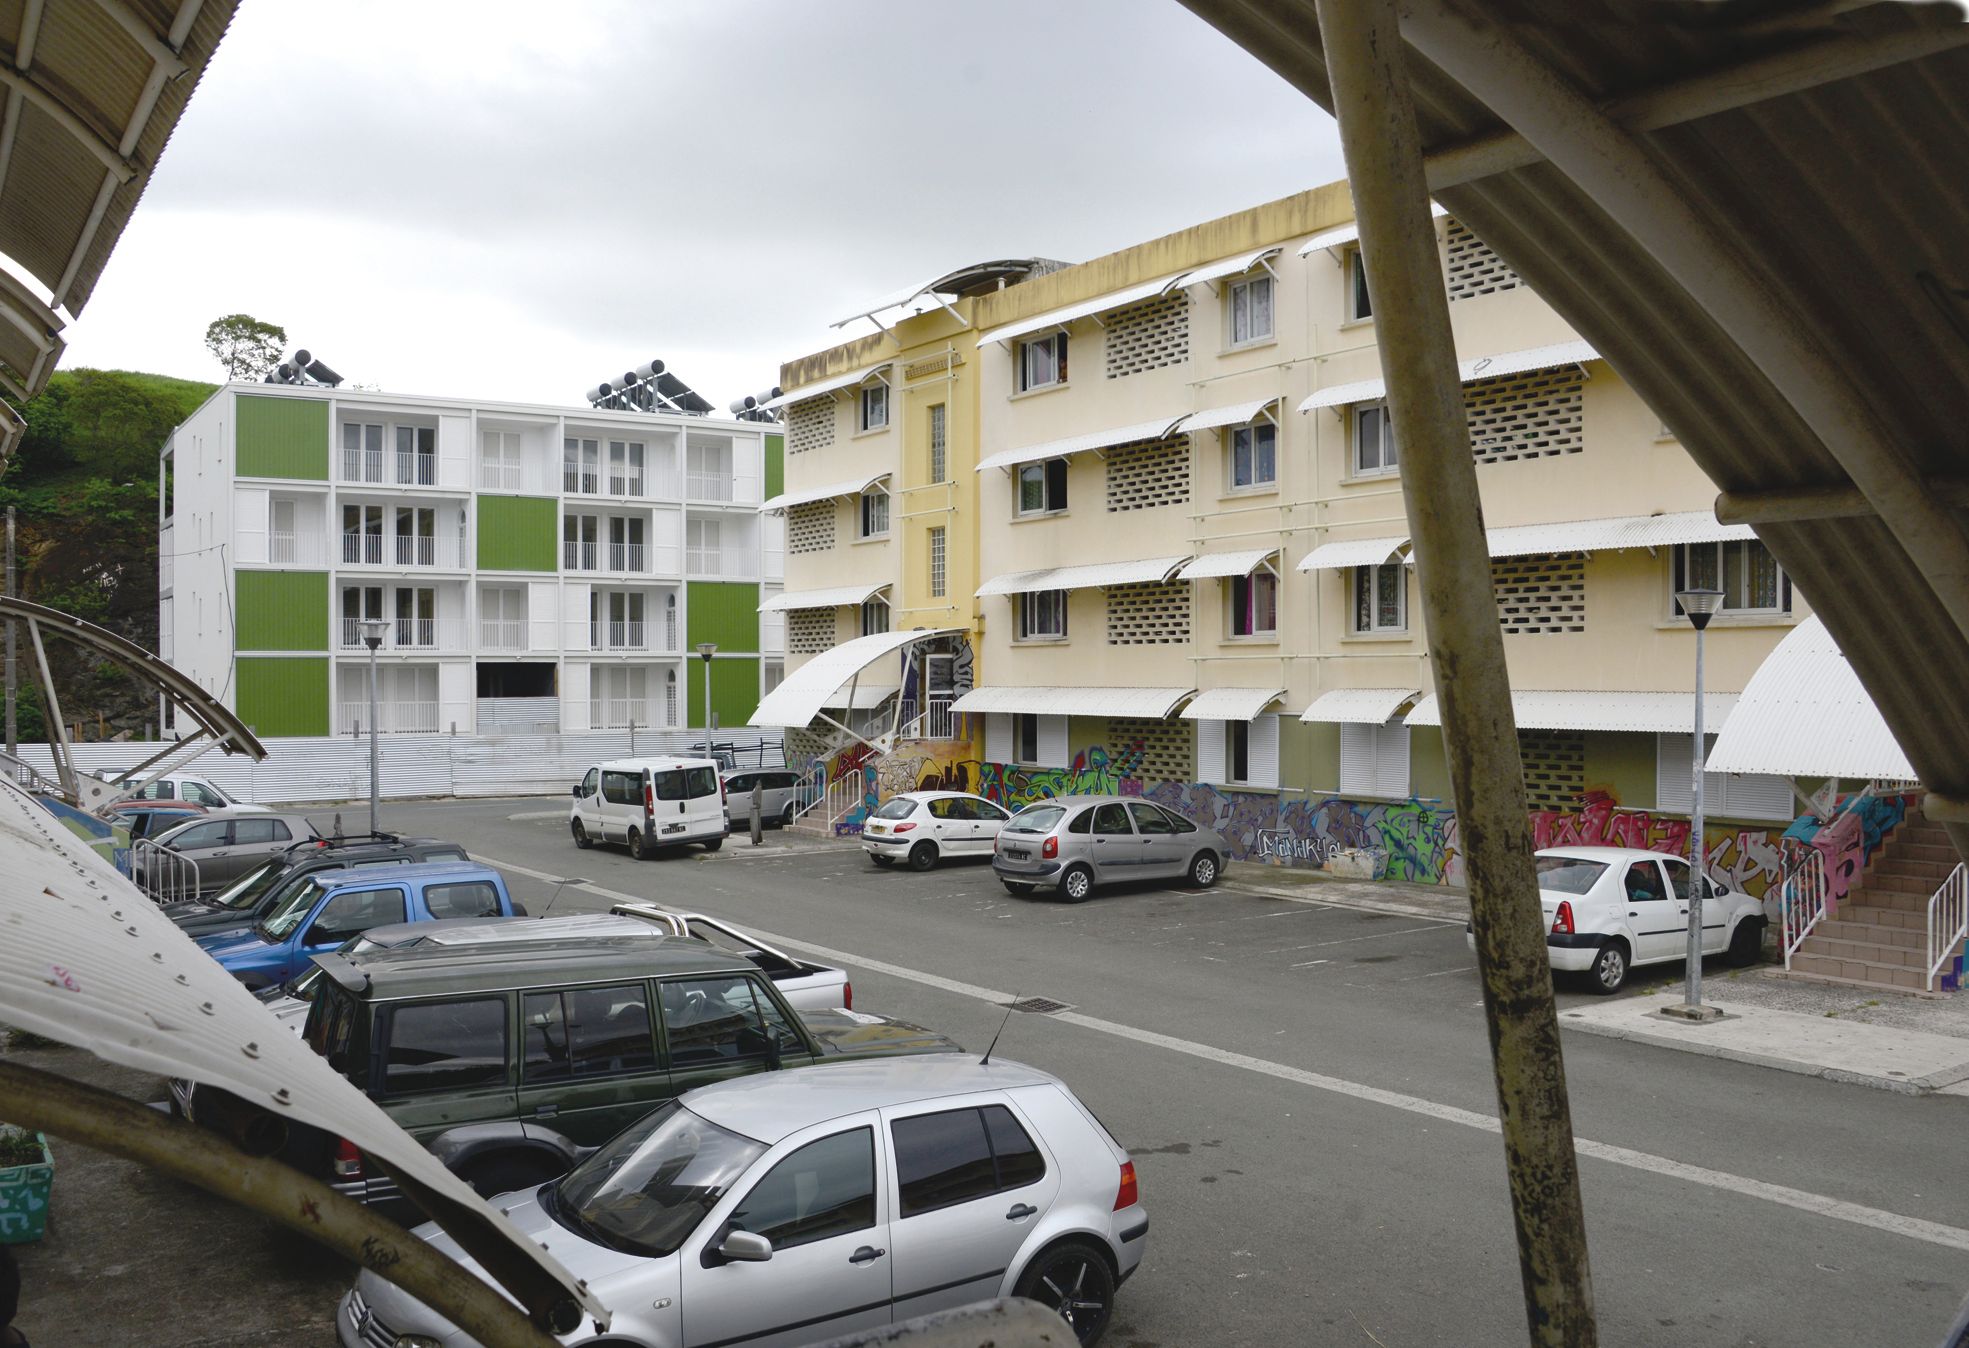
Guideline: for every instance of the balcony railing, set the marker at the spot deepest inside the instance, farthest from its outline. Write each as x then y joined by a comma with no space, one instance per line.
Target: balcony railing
588,480
931,719
362,465
417,470
409,634
627,636
405,550
362,549
616,713
501,476
625,484
625,556
392,718
167,565
502,634
578,557
670,629
708,486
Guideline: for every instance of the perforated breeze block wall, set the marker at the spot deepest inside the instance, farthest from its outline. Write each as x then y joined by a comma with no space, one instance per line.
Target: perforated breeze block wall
1149,473
1149,335
1527,416
1166,750
810,528
810,425
1473,268
1555,768
809,631
1540,596
1149,615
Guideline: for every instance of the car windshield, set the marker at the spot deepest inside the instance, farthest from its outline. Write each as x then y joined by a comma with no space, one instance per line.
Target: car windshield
289,909
247,891
899,808
1035,819
649,1186
1569,875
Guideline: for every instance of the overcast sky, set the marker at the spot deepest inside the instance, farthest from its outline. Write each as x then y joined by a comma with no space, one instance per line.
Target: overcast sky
517,201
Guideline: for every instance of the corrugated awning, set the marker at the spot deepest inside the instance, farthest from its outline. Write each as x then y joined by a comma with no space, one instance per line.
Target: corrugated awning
1805,714
1219,565
1234,415
804,693
867,697
1482,367
1231,704
1359,706
1148,703
854,486
788,600
1333,238
1627,531
1642,713
1354,552
1230,266
1100,304
1081,444
1095,575
834,385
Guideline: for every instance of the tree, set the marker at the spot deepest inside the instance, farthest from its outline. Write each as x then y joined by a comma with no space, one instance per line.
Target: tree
243,344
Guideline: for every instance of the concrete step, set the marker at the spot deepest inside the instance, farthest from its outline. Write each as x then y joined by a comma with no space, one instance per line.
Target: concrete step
1900,900
1892,976
1869,915
1846,928
1929,873
1915,850
1868,952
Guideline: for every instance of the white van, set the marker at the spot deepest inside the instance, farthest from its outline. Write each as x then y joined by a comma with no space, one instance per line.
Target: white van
647,803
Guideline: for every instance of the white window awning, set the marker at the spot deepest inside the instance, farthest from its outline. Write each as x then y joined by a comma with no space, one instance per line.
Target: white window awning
1100,304
1220,565
1153,704
1158,429
1095,575
1216,271
1805,714
1231,704
1359,706
926,292
1468,371
1640,713
1627,531
825,386
854,486
1354,552
788,600
1237,414
804,693
1333,238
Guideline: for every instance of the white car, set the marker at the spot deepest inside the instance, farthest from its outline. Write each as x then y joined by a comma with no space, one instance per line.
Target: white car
1608,909
197,790
921,826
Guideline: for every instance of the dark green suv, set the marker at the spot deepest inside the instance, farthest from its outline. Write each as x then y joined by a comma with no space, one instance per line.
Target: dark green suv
510,1060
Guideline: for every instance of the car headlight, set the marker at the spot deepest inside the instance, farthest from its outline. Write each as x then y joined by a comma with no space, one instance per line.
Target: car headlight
416,1341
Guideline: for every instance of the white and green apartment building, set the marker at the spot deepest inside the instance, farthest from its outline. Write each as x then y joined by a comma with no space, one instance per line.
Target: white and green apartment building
536,568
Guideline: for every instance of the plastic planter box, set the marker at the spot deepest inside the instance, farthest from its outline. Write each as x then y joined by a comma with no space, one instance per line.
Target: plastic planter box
24,1192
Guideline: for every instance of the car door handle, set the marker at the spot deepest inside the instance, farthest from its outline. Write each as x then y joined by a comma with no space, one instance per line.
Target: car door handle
546,1111
867,1254
1020,1211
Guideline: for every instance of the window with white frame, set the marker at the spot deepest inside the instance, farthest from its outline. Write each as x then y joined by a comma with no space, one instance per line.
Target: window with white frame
874,617
1042,361
703,547
874,513
873,414
939,442
625,468
938,569
708,469
771,674
1375,449
1358,305
1042,615
1250,304
1025,738
1238,753
1725,795
1253,604
581,465
1381,598
1752,582
499,460
1253,456
1041,487
1374,760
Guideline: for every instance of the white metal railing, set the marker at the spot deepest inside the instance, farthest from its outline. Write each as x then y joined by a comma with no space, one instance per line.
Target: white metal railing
617,713
626,636
586,480
362,465
670,629
1802,896
704,561
416,550
362,549
707,486
280,545
496,475
392,718
625,556
625,484
416,470
409,634
165,875
578,556
829,801
1948,921
502,634
929,720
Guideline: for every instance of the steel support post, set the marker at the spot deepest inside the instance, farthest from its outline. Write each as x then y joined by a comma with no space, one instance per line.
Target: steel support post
1366,64
1698,876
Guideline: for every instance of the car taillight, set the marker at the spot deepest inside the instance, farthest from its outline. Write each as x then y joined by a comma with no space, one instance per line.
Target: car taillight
847,996
1128,1195
348,1161
1562,920
902,828
1050,848
649,797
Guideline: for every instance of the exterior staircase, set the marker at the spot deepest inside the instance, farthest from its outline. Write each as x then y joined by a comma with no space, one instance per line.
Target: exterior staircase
1878,935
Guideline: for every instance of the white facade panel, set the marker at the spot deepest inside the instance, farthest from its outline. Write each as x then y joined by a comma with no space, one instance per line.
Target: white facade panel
575,676
455,451
667,543
574,619
457,689
250,508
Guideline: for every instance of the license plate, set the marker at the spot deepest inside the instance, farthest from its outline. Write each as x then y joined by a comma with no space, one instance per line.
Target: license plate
1018,854
878,828
673,828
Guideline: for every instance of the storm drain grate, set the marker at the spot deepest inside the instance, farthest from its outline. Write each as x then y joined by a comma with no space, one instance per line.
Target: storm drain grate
1039,1006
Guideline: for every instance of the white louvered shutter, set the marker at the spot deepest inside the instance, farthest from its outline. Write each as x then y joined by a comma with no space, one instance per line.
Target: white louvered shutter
1053,742
1263,750
998,737
1356,759
1391,760
1210,764
542,605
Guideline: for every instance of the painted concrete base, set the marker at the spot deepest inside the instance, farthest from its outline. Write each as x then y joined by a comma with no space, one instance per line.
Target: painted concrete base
1908,1061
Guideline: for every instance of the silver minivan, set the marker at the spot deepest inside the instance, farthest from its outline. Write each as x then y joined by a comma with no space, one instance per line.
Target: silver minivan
649,803
1073,843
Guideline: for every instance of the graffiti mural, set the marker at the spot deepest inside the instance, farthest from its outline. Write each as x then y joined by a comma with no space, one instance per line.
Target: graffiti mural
1850,840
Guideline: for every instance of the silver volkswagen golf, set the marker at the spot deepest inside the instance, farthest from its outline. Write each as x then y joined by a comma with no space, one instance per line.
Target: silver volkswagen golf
1073,843
792,1207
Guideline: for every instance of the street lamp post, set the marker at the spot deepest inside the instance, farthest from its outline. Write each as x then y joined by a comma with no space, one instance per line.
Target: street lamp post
372,637
707,649
1700,606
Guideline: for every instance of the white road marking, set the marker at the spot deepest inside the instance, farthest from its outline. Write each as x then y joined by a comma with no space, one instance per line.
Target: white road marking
1349,940
1310,963
539,814
1822,1205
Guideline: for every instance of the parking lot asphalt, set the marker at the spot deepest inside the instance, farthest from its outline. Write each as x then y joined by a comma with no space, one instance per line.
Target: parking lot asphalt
1307,1091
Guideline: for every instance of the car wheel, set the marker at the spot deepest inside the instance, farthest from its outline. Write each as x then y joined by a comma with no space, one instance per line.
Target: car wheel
1073,1281
1077,885
714,844
786,815
638,850
1609,969
1203,870
1746,943
922,856
581,838
881,861
509,1173
1016,888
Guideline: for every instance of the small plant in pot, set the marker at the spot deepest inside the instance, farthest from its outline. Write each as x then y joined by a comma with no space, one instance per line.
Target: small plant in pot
27,1178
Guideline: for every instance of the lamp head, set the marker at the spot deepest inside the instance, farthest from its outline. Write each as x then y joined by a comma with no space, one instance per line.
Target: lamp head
372,631
1700,605
707,649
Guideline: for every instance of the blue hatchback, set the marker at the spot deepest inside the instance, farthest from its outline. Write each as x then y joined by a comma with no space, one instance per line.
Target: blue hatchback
333,906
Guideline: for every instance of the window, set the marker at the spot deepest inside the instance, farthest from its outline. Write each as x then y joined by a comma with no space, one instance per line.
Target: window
1149,820
472,898
874,617
939,451
621,788
499,460
1375,448
953,1157
446,1046
259,831
1254,605
823,1190
1025,738
1043,362
684,783
204,835
1381,598
1374,760
1042,487
581,465
1251,310
720,1022
771,674
348,915
708,469
1642,883
1043,615
1237,751
587,1032
1112,821
874,412
625,468
1254,456
937,567
874,513
703,547
592,782
417,455
202,795
1358,305
1750,578
1724,795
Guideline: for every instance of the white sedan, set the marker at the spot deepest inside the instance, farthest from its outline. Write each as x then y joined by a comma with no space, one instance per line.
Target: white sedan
921,826
1608,909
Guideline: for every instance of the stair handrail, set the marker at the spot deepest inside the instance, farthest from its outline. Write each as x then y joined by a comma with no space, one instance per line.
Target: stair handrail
811,794
1948,921
1801,900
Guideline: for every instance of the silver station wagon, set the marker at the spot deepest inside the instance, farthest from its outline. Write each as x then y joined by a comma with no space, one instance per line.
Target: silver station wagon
1073,843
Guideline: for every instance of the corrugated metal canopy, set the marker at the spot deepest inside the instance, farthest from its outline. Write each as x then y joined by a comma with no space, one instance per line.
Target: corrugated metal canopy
854,486
1630,531
1094,575
1353,552
1236,414
1149,703
1805,714
824,387
1081,444
1333,238
1230,266
1478,367
866,697
1359,706
1100,304
803,694
1219,565
1643,713
788,600
1231,704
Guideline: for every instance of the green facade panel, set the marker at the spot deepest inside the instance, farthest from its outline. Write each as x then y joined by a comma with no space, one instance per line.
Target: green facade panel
281,611
734,691
775,465
282,437
726,612
281,696
517,533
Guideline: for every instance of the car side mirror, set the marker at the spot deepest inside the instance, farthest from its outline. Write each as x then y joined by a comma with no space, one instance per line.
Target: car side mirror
745,1247
576,791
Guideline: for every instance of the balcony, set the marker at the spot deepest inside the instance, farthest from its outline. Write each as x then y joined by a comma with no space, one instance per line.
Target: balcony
402,550
409,634
619,713
392,718
416,470
625,557
586,481
389,468
621,636
502,634
501,476
708,486
625,484
579,556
